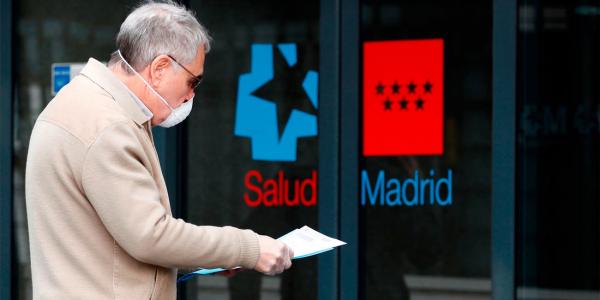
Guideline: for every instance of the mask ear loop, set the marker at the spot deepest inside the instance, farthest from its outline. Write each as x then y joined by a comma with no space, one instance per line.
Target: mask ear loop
144,80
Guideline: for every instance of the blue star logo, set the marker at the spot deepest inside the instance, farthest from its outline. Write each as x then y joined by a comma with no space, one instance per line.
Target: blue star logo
273,131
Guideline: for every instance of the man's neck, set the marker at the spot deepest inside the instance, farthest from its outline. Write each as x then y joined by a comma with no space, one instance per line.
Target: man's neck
136,86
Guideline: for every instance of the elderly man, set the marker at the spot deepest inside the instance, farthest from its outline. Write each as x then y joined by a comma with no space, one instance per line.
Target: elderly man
100,223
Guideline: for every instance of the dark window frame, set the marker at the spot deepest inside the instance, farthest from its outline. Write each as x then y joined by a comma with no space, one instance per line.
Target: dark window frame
6,150
504,49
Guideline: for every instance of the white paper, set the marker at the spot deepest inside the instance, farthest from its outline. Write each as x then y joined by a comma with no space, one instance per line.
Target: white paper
304,242
307,241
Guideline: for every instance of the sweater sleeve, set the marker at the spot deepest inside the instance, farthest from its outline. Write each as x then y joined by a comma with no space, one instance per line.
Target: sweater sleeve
125,196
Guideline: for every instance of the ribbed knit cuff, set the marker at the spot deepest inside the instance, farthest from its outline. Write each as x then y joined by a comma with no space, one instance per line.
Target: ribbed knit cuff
250,250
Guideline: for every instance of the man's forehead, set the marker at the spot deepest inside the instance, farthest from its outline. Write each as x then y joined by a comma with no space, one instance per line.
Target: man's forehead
197,65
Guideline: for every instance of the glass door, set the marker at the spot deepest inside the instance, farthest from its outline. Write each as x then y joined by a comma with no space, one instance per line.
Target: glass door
425,150
558,150
251,140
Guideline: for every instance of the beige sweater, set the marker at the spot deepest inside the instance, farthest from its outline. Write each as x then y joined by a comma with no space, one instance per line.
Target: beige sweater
100,224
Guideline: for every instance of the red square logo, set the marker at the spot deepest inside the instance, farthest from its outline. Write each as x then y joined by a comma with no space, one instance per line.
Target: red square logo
403,97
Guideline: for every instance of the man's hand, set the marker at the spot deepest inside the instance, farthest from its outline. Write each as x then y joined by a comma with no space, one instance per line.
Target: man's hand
229,273
275,256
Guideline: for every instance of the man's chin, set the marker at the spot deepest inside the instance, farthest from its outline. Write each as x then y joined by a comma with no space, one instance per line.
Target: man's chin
155,122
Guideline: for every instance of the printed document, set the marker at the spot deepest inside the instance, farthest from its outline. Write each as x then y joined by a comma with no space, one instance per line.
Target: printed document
304,242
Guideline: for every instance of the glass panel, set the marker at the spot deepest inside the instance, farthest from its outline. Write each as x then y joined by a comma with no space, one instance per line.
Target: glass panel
558,160
46,33
426,149
241,136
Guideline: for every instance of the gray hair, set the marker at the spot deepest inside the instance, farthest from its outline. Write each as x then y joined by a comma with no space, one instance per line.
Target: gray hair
159,27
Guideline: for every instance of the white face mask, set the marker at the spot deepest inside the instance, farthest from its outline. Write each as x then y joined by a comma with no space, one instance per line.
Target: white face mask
177,114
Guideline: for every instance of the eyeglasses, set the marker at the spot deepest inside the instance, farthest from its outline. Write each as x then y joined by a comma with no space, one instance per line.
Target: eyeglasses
195,80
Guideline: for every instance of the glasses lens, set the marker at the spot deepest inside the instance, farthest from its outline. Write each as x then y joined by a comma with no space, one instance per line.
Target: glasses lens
194,82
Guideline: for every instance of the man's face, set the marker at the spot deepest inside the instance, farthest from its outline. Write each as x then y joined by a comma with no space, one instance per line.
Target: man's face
174,82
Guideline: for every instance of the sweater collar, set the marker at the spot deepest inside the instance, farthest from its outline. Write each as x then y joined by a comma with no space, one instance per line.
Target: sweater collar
98,73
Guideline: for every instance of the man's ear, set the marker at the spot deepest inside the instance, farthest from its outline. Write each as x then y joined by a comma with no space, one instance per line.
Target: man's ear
158,69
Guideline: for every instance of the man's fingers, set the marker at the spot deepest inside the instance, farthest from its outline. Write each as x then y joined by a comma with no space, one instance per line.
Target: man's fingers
275,256
288,258
229,273
287,264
